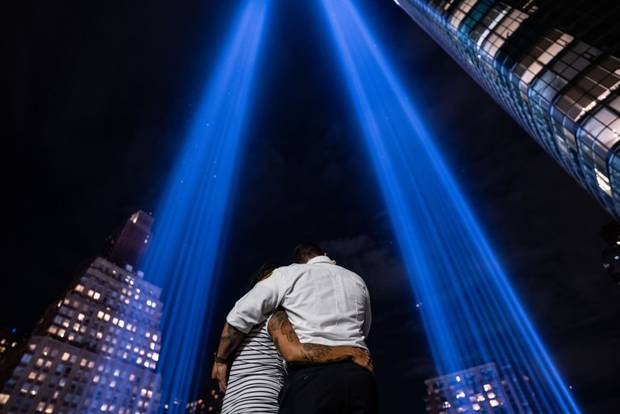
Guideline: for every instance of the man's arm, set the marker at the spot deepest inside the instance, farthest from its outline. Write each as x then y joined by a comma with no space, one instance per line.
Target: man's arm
230,340
263,299
292,350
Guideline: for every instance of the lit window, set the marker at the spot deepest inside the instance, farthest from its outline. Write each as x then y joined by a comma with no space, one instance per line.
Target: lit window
96,295
548,48
461,12
65,356
4,398
493,403
81,317
487,387
476,407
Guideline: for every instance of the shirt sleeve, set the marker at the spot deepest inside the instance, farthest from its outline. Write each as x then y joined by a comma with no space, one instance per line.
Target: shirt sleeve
259,302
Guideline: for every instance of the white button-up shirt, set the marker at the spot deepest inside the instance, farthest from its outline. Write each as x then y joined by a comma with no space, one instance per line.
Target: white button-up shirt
326,304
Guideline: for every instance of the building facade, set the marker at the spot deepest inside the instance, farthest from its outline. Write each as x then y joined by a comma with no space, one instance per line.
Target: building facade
8,341
479,389
94,351
553,65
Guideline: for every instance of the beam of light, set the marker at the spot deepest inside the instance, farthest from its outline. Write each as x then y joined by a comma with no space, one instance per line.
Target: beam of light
470,312
192,216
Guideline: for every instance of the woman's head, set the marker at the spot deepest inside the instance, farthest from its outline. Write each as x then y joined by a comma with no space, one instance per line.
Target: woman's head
263,272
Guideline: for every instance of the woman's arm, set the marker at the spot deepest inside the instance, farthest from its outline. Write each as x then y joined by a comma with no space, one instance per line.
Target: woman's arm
230,340
287,342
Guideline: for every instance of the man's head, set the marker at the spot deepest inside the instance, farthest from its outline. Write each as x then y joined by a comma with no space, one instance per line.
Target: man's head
306,251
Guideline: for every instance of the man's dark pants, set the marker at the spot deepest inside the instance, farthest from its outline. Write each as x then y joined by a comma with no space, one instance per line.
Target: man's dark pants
338,388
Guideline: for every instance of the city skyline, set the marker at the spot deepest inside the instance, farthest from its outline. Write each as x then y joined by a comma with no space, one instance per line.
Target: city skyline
545,226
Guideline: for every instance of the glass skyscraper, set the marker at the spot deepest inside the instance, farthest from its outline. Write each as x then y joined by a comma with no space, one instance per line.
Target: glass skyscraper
95,350
553,65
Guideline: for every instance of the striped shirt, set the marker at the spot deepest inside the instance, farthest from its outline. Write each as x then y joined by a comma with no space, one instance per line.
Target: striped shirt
256,375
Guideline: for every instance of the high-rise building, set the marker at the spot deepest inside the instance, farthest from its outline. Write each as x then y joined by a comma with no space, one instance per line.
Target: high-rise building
478,389
553,65
128,247
9,340
95,350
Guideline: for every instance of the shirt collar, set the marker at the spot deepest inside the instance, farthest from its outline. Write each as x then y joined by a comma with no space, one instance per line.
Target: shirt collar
320,259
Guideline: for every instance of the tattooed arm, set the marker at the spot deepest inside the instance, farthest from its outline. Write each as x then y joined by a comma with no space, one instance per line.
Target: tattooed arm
287,342
230,340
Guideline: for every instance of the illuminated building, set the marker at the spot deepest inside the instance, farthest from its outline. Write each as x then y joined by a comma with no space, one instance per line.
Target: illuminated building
553,65
209,403
478,389
96,350
8,341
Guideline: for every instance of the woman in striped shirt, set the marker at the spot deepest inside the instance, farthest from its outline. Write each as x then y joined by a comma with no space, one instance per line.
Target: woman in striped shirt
258,369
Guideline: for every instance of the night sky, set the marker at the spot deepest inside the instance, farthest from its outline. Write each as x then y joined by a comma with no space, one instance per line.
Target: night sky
101,93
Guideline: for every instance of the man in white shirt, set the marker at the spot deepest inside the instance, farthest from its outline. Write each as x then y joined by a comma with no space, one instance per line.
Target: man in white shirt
327,305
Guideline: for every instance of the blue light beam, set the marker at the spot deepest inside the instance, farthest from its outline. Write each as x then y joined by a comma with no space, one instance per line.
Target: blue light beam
469,310
191,218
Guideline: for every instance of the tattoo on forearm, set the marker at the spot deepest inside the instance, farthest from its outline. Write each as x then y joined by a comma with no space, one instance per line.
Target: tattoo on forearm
323,353
229,341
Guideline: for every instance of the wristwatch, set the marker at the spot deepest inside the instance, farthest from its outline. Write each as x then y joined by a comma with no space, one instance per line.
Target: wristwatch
219,359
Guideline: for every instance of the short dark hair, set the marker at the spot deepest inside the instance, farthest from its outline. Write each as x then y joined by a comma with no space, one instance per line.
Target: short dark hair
263,272
306,251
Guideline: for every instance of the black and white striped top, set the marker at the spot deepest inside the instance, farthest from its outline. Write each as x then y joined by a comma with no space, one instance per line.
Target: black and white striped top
256,376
